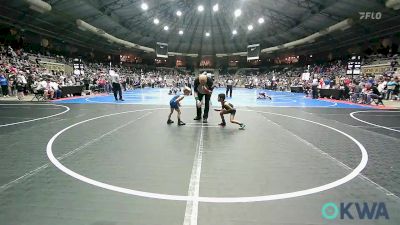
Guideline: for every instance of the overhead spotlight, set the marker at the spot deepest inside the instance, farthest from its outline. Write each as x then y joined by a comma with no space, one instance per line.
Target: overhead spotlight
156,21
144,6
207,34
39,6
238,12
200,8
234,32
181,32
250,27
215,7
178,13
394,4
261,20
166,27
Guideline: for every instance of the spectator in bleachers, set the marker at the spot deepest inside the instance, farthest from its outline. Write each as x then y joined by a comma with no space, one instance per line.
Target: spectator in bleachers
20,83
86,82
57,89
11,85
4,85
391,86
375,94
47,89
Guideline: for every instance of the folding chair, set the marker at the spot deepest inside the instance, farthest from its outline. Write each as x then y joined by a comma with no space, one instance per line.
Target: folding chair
377,99
39,95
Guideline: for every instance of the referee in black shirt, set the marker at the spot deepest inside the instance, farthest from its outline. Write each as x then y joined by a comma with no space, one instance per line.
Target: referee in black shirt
203,87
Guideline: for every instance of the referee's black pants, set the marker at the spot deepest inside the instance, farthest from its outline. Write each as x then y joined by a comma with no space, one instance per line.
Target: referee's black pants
229,89
117,89
206,105
314,91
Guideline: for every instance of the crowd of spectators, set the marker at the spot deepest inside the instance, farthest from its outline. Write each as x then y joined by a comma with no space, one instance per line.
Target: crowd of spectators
96,77
20,75
356,88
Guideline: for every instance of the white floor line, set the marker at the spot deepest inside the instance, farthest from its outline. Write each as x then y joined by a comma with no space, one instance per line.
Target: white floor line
386,115
16,117
41,118
66,155
328,114
346,167
341,181
376,125
200,125
6,107
192,206
23,177
369,127
365,130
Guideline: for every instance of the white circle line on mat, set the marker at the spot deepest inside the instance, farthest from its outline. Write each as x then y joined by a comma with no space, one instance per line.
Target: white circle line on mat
41,118
373,124
347,178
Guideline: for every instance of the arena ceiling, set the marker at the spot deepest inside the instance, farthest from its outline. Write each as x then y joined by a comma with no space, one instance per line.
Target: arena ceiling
283,21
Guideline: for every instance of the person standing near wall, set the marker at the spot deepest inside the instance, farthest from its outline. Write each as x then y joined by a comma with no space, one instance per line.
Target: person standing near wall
4,85
116,86
314,87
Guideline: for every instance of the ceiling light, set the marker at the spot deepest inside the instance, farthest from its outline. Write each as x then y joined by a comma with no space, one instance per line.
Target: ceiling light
200,8
234,32
180,32
250,27
215,7
156,21
261,20
178,13
39,5
144,6
166,27
207,34
238,12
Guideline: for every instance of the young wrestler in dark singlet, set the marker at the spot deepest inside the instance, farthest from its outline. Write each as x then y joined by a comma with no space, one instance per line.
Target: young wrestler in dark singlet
263,95
228,108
